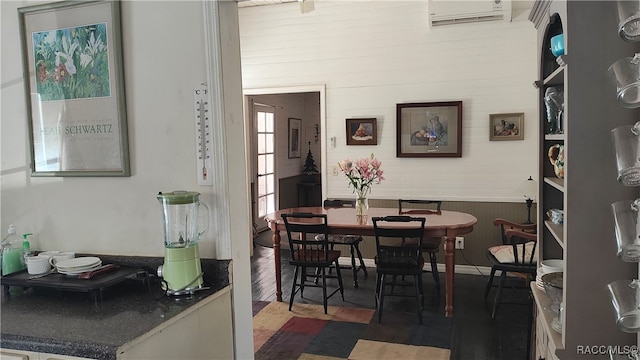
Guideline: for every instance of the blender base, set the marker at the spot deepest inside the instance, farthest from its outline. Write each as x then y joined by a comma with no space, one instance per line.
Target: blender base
181,270
190,291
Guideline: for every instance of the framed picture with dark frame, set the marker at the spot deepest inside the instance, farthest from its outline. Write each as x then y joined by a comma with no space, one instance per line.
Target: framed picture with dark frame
432,129
295,137
362,131
508,126
74,88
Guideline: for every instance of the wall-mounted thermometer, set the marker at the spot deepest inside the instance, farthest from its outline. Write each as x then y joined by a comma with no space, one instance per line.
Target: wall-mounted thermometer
203,135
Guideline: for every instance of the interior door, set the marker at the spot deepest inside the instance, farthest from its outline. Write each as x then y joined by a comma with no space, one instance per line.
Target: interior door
265,178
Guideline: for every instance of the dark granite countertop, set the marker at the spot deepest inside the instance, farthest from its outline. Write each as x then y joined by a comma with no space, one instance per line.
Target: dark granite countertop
69,323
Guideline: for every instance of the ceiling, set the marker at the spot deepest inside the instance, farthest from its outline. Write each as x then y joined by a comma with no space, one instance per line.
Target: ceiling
248,3
515,4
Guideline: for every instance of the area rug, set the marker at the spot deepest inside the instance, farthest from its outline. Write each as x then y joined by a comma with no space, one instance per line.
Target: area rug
306,333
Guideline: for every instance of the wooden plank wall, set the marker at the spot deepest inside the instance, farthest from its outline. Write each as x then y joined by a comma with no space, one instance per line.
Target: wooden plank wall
372,55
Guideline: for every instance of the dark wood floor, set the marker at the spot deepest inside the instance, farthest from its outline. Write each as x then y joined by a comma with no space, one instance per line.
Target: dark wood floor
475,336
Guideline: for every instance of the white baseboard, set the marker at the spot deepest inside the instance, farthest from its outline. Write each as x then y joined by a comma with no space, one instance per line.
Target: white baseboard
460,269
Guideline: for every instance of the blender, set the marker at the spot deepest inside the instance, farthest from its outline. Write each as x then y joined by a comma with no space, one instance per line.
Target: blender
181,271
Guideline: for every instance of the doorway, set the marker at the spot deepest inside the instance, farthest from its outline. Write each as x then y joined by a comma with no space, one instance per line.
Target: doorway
274,172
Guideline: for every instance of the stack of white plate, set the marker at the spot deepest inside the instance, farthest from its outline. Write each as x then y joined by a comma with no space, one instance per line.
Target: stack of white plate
546,267
77,266
539,280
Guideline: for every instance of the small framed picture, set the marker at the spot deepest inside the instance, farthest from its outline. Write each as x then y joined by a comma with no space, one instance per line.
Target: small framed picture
506,126
429,129
362,132
295,133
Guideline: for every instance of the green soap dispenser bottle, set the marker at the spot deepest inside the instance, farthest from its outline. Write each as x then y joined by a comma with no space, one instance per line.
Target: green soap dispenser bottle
26,248
12,255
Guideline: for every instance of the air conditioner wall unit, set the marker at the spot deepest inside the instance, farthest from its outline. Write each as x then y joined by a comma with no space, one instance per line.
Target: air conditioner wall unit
450,12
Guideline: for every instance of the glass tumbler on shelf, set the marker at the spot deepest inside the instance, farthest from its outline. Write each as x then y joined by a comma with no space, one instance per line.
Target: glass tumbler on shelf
625,75
629,20
625,216
625,296
626,144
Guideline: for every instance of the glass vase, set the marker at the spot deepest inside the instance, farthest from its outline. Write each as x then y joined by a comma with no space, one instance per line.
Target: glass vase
362,209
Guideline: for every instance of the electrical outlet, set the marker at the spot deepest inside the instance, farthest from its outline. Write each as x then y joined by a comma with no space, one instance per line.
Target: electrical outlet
458,244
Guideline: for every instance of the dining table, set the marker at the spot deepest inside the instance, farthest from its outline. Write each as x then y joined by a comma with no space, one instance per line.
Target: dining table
447,224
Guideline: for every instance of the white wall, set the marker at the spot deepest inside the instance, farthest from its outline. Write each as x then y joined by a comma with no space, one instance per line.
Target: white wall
374,55
163,64
165,58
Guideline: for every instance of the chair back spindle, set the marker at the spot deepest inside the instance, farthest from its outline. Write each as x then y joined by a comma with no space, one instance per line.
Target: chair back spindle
301,229
395,259
307,252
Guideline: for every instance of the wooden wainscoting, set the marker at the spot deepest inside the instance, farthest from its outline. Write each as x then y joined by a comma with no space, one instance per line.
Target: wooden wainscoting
291,194
484,234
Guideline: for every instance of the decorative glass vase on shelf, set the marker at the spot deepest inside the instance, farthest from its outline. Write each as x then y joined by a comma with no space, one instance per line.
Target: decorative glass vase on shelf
362,174
554,103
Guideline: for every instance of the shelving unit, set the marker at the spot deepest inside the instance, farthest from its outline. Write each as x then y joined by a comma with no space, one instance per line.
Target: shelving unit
586,239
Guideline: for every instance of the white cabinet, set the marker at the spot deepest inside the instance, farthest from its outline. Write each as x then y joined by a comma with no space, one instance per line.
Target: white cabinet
203,331
18,355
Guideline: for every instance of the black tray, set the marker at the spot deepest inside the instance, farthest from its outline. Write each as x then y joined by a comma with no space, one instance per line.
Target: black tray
61,282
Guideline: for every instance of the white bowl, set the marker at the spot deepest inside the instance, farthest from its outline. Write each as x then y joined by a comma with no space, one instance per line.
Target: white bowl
37,265
552,265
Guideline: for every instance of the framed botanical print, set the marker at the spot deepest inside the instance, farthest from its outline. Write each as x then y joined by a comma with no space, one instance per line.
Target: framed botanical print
72,53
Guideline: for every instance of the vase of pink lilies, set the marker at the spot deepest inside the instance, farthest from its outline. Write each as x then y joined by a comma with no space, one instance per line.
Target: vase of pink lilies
362,174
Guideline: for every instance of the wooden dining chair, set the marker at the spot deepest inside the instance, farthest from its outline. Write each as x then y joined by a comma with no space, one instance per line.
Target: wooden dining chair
516,254
395,260
353,241
311,253
430,245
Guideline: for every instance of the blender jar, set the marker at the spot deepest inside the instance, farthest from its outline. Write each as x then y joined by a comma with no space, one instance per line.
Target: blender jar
181,225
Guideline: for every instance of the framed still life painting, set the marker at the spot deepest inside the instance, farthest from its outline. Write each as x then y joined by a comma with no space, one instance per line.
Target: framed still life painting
362,132
506,126
429,129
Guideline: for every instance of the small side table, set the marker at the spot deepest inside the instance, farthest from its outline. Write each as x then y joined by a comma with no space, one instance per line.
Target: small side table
308,189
